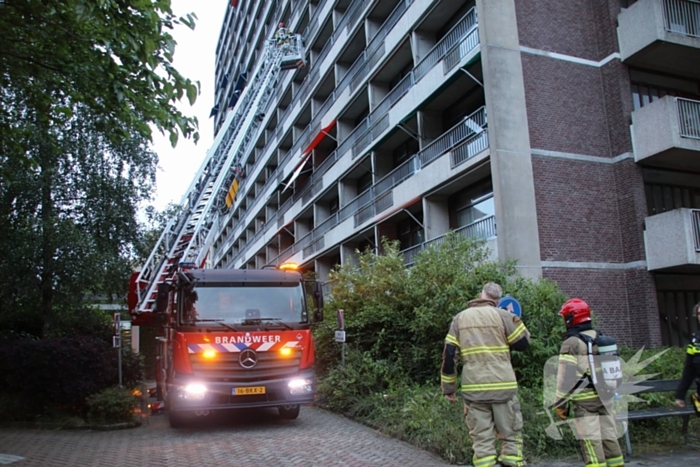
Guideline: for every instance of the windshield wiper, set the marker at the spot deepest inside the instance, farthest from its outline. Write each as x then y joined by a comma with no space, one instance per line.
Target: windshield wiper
273,320
217,320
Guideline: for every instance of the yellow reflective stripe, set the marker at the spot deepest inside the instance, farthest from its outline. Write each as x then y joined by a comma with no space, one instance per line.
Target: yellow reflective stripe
450,339
448,379
568,359
485,349
515,335
490,386
512,460
484,461
584,395
693,349
591,455
616,461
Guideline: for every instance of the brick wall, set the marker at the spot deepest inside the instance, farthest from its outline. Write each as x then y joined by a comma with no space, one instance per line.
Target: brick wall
584,28
622,301
577,210
565,106
588,210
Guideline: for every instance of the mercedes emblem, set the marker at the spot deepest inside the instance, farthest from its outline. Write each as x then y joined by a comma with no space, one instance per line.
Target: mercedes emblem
248,359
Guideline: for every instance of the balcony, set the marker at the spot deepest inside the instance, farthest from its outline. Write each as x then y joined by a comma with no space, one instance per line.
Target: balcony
672,241
666,133
661,35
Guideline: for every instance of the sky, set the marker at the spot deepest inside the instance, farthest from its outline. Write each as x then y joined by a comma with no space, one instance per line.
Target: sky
194,58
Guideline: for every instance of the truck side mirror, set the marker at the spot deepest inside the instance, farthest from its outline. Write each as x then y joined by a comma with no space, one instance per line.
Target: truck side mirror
162,297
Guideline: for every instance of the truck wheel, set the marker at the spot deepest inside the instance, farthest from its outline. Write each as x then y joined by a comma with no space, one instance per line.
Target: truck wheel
289,412
177,419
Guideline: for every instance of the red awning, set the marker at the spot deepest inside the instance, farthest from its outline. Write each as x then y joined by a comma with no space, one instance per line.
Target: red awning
307,153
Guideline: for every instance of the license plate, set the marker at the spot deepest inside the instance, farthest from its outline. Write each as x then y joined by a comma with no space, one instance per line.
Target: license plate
249,390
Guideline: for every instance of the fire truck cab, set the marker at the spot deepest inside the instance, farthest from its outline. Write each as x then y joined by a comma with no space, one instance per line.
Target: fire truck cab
236,338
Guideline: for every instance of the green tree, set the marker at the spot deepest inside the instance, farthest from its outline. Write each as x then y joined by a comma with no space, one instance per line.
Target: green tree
113,57
69,213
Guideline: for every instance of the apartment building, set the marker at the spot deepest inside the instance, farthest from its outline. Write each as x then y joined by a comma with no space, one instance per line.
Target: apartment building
565,134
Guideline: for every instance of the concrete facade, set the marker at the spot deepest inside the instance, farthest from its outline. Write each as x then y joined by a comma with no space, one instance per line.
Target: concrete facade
471,116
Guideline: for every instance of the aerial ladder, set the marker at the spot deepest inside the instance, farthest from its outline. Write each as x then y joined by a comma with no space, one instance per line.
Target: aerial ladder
187,237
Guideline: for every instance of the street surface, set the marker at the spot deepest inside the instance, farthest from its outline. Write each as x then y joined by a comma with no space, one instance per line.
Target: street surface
247,439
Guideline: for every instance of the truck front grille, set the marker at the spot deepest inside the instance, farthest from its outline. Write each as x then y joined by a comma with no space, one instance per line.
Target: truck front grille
226,367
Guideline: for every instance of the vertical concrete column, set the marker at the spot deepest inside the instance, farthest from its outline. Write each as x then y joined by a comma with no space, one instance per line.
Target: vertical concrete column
347,254
377,92
347,192
511,163
383,163
421,43
429,126
323,267
436,216
386,230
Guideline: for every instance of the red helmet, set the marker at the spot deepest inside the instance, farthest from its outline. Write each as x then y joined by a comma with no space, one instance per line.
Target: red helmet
575,311
281,25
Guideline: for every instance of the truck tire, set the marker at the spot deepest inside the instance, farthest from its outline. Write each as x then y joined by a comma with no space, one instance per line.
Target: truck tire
289,412
177,419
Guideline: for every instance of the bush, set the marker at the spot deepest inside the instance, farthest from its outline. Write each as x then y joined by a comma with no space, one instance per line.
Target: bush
112,405
62,372
396,320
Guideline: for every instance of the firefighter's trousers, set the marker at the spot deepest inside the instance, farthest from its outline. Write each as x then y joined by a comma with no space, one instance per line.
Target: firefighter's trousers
597,434
486,423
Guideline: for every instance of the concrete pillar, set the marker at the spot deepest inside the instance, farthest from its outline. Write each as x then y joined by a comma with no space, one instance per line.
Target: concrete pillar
347,254
323,267
429,126
346,191
383,163
386,230
377,92
421,43
436,216
511,162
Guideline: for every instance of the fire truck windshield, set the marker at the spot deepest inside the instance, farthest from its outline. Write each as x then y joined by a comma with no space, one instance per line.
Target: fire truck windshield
238,304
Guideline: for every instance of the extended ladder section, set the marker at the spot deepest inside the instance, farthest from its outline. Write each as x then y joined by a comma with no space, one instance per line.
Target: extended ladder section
188,235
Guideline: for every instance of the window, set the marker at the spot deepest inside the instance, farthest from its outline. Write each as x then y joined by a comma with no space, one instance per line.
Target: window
410,233
364,182
334,205
403,152
472,205
667,190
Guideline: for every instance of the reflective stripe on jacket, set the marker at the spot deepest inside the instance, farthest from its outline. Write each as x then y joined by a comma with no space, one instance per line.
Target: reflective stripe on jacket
482,335
573,366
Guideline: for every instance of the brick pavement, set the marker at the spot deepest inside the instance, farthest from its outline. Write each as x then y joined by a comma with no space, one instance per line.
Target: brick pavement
248,438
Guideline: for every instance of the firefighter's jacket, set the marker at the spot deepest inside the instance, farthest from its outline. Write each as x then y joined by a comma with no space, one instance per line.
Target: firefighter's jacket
483,335
573,383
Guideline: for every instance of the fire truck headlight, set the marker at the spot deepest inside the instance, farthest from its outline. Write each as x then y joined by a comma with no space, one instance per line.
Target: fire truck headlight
300,386
194,391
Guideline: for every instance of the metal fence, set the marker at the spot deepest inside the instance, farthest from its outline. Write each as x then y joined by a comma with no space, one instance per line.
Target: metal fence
482,229
689,118
696,230
682,17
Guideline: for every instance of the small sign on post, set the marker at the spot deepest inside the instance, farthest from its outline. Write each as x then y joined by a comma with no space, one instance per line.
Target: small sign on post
340,333
117,342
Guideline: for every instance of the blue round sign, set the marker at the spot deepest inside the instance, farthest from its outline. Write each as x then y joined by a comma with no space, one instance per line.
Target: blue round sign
512,305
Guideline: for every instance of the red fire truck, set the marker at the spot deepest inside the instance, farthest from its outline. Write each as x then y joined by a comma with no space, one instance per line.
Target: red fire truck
234,338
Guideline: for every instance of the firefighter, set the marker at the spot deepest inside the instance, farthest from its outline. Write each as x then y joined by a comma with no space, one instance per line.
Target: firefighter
483,336
594,420
691,369
282,36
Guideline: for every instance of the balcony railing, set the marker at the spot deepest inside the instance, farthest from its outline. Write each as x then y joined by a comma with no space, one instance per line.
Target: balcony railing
482,229
454,46
696,224
682,16
689,118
